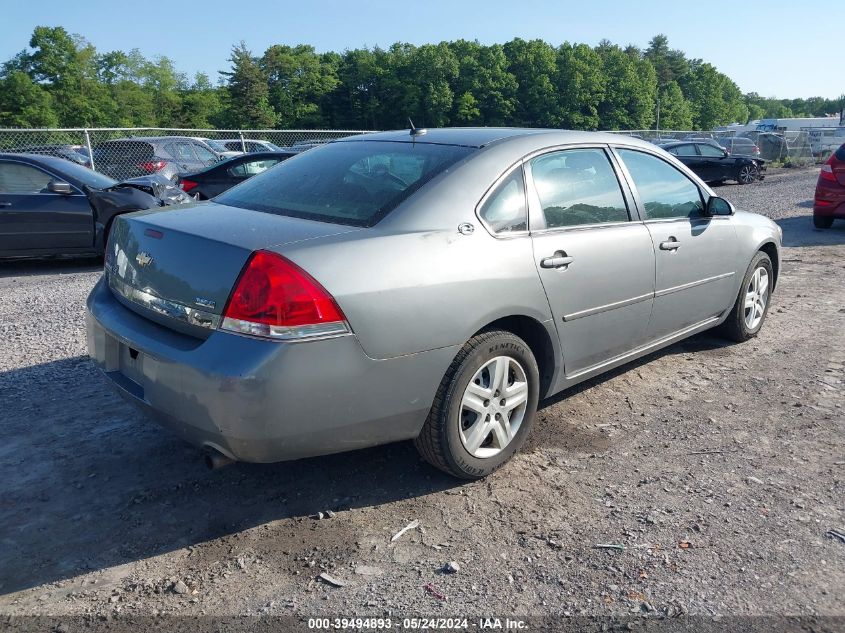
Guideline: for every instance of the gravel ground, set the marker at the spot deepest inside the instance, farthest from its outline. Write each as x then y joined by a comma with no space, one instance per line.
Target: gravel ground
717,468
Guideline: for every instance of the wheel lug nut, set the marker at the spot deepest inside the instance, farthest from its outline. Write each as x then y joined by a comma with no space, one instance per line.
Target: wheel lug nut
502,402
486,403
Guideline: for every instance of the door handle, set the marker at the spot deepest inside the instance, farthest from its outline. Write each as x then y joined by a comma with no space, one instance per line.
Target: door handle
5,204
671,245
559,260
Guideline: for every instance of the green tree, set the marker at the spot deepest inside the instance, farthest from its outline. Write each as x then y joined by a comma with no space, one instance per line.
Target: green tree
248,103
24,103
581,84
669,64
534,64
675,111
715,99
298,80
629,99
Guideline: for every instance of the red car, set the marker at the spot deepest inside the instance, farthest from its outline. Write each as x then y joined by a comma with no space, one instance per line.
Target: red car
830,191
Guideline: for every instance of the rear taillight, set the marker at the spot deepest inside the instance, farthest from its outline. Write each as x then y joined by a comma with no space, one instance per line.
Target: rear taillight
152,166
275,298
827,172
755,150
187,185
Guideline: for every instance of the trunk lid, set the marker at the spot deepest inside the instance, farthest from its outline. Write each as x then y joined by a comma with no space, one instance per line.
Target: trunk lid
177,266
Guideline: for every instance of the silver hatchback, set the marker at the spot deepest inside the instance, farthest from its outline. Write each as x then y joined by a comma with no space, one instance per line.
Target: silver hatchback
428,286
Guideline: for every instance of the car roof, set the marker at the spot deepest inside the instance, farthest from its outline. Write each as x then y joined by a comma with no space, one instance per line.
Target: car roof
44,159
149,139
483,136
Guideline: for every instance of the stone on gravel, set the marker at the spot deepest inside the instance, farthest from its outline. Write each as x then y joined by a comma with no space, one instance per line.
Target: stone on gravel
180,587
452,567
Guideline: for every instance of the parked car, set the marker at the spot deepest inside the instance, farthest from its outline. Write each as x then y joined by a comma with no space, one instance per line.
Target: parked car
430,286
138,156
251,145
713,164
73,153
209,182
739,146
829,202
51,206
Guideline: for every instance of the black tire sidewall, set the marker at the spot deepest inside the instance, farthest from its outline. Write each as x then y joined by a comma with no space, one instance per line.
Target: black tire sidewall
503,344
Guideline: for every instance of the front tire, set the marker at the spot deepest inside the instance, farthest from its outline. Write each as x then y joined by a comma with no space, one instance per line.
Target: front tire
752,304
822,221
484,407
746,174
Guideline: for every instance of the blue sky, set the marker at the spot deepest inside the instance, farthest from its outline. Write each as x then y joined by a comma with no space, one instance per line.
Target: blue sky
775,48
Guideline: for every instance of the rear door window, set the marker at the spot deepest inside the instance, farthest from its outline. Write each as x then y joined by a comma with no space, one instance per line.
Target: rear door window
578,186
181,151
352,182
711,151
205,155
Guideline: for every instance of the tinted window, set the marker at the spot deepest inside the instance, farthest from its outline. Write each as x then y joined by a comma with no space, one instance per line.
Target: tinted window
356,182
710,151
234,146
578,186
664,191
251,168
18,178
505,211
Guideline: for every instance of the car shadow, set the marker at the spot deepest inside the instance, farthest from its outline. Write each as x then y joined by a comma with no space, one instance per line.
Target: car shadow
53,266
88,482
799,231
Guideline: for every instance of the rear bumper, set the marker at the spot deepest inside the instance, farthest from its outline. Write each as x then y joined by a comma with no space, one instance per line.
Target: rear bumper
829,200
262,401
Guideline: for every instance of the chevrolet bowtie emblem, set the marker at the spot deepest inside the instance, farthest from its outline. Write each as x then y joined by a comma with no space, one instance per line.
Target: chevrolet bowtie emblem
143,258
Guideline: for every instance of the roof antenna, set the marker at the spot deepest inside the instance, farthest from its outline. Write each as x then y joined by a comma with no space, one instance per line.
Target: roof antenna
416,131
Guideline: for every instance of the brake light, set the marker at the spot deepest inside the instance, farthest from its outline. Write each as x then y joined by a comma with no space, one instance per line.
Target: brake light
275,298
152,166
187,185
756,150
827,172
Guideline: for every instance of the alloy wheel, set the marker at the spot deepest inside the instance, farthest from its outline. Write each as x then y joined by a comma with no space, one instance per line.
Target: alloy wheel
756,298
747,174
493,407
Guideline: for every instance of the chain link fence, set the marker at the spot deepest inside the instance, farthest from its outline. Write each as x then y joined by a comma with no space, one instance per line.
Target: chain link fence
788,148
123,153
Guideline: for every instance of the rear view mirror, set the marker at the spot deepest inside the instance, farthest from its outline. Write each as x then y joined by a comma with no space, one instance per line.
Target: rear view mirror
719,206
60,187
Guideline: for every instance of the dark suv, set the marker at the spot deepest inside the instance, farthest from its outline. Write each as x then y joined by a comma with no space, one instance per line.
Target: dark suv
140,156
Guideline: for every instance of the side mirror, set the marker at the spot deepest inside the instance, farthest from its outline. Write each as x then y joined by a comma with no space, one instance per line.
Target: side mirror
719,206
60,187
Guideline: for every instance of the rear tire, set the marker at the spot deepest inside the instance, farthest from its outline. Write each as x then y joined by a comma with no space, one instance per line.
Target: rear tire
752,304
822,221
469,432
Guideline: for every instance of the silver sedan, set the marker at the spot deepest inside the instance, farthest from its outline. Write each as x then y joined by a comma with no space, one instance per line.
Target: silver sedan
411,285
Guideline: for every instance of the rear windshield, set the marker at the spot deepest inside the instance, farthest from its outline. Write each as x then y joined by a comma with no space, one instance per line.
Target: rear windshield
139,150
355,183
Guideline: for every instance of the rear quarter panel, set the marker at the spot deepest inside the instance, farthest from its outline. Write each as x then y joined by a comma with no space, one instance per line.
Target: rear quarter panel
407,292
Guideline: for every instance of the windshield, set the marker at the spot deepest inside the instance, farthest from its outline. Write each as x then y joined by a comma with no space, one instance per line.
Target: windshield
355,183
86,176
